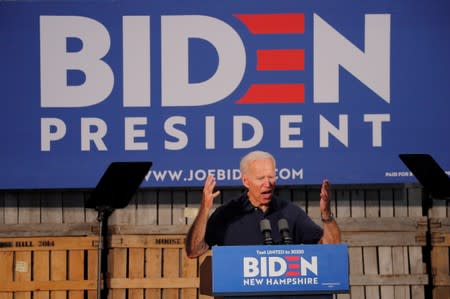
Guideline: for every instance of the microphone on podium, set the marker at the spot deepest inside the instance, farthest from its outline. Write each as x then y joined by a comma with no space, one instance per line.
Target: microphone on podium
283,227
266,230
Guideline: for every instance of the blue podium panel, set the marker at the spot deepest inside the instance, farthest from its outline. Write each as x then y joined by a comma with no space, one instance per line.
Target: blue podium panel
279,270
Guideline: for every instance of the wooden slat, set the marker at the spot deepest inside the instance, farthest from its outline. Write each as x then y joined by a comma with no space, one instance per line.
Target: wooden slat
400,266
342,201
11,208
386,203
441,280
400,204
29,208
356,269
414,200
165,208
438,208
383,224
22,272
76,271
385,266
6,272
416,266
117,262
371,268
136,270
440,293
169,284
92,271
441,272
51,207
358,205
313,208
372,201
47,229
148,229
178,206
126,215
171,271
189,270
146,208
193,204
385,252
147,241
58,272
388,280
47,243
57,287
73,211
41,272
382,239
153,270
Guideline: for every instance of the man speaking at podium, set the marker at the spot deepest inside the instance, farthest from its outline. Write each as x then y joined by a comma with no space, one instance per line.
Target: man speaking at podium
252,218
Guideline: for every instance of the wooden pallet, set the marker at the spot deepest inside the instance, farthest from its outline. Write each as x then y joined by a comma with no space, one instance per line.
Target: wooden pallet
151,266
386,257
48,267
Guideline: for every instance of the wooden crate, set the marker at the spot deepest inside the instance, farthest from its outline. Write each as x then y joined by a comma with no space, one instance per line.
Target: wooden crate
151,266
386,258
48,267
440,257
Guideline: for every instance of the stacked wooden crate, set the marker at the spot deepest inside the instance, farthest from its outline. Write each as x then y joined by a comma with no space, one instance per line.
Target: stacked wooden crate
151,266
48,267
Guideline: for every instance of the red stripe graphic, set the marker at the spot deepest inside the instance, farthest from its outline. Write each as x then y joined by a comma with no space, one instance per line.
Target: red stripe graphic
274,94
292,273
280,60
273,23
294,266
291,258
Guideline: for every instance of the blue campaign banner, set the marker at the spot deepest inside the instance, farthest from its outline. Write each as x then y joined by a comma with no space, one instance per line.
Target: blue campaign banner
280,269
332,89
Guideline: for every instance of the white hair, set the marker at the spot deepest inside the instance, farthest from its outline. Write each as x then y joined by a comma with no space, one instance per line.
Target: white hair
253,156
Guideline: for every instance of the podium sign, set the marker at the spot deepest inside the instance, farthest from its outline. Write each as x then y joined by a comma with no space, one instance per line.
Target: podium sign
280,269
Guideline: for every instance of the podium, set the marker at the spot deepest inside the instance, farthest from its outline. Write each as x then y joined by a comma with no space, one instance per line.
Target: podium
280,271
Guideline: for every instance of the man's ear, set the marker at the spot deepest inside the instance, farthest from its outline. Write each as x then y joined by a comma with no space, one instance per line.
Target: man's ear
245,181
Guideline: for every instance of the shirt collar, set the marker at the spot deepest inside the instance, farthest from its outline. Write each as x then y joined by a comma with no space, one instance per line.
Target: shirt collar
248,207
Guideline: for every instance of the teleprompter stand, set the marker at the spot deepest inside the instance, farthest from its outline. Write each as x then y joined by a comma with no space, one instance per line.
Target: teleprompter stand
114,191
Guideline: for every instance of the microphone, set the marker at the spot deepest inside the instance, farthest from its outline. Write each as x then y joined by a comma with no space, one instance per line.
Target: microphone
283,227
266,230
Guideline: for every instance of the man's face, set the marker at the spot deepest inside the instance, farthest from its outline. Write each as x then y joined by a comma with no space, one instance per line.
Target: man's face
260,181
